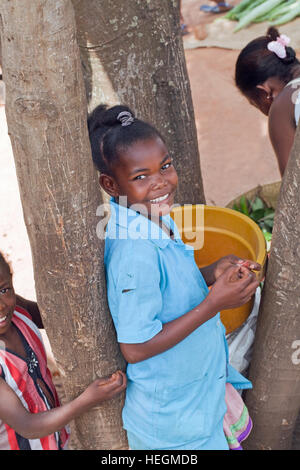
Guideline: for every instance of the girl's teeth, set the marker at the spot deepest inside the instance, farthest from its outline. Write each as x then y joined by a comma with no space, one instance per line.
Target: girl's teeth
160,199
3,319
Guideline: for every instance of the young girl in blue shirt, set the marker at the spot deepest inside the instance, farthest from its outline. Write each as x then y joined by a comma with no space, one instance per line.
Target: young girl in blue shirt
166,318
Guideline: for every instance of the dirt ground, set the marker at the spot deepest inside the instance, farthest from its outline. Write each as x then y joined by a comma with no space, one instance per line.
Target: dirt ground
235,151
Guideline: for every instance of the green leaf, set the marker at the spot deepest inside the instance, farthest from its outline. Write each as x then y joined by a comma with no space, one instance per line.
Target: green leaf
267,235
244,205
269,223
257,204
257,215
269,215
269,212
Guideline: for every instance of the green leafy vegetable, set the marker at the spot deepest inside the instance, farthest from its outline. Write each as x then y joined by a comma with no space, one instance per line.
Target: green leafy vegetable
257,11
293,12
259,212
276,12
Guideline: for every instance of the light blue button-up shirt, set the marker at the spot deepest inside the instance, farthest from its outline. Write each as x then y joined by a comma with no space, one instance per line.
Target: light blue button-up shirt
175,397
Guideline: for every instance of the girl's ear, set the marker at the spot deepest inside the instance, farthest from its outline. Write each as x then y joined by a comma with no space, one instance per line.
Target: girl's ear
265,87
109,185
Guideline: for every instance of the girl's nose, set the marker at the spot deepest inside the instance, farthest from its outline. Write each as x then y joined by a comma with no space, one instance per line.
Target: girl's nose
159,182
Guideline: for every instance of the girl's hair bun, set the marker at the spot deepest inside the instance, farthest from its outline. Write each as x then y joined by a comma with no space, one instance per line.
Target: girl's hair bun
104,117
272,33
95,119
290,56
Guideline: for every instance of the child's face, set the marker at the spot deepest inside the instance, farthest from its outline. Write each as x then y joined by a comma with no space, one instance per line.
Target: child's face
146,175
7,299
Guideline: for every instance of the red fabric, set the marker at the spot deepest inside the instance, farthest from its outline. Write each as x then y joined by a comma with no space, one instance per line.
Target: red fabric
14,370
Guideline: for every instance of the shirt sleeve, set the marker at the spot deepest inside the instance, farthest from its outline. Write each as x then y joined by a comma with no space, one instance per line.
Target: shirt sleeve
137,302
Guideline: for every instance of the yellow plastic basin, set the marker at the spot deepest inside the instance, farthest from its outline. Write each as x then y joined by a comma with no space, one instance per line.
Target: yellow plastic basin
224,231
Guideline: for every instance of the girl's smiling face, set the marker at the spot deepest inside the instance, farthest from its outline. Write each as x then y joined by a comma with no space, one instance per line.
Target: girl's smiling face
7,299
146,176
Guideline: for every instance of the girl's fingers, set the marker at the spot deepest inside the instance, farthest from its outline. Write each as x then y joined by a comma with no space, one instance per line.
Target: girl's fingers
246,276
118,377
115,380
250,290
249,264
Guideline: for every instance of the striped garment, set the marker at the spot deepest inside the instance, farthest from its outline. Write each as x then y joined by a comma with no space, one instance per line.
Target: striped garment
24,377
237,423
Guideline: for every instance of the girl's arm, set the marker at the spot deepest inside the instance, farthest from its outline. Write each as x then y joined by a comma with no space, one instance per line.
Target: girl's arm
37,425
32,308
282,127
229,291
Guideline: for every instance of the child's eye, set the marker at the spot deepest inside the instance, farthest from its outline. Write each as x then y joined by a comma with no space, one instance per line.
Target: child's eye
139,177
166,166
5,290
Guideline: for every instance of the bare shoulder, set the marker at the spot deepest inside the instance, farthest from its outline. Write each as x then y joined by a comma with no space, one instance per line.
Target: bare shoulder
282,127
282,108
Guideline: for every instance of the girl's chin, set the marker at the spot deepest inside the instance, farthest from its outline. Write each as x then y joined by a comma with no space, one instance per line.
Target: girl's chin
162,208
159,210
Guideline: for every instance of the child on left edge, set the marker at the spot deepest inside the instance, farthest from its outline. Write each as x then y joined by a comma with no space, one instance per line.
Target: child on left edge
31,417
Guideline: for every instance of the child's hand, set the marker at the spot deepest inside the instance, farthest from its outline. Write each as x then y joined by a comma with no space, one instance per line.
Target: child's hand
104,389
233,288
232,261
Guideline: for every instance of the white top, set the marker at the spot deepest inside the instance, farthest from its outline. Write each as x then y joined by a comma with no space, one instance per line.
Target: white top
296,97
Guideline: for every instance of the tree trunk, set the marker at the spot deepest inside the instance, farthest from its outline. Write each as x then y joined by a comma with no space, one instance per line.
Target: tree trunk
46,114
274,402
132,53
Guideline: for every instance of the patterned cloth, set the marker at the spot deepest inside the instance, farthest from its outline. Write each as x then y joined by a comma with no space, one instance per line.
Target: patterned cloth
296,97
237,423
24,377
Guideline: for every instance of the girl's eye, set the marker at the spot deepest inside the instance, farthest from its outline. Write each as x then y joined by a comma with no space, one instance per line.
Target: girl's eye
139,177
5,290
166,166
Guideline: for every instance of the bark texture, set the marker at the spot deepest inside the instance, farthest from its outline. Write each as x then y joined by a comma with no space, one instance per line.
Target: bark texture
46,113
274,402
132,53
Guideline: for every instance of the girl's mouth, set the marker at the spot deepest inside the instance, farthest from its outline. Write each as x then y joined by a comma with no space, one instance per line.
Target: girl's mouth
160,199
3,319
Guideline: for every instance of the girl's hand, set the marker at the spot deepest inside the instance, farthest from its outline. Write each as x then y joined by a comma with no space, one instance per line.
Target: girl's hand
233,288
104,389
232,261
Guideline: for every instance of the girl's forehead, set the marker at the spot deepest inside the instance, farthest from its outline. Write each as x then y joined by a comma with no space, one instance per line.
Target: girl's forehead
143,150
5,274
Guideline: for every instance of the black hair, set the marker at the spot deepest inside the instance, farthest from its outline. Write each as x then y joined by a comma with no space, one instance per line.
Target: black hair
255,63
5,263
108,137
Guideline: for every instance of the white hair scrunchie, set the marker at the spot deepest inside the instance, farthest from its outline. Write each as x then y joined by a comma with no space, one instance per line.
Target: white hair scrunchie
126,118
279,46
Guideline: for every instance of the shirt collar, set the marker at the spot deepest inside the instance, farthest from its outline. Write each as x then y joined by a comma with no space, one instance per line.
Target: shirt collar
133,225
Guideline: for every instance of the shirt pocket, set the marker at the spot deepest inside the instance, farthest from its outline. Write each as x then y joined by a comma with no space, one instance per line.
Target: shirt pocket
189,412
